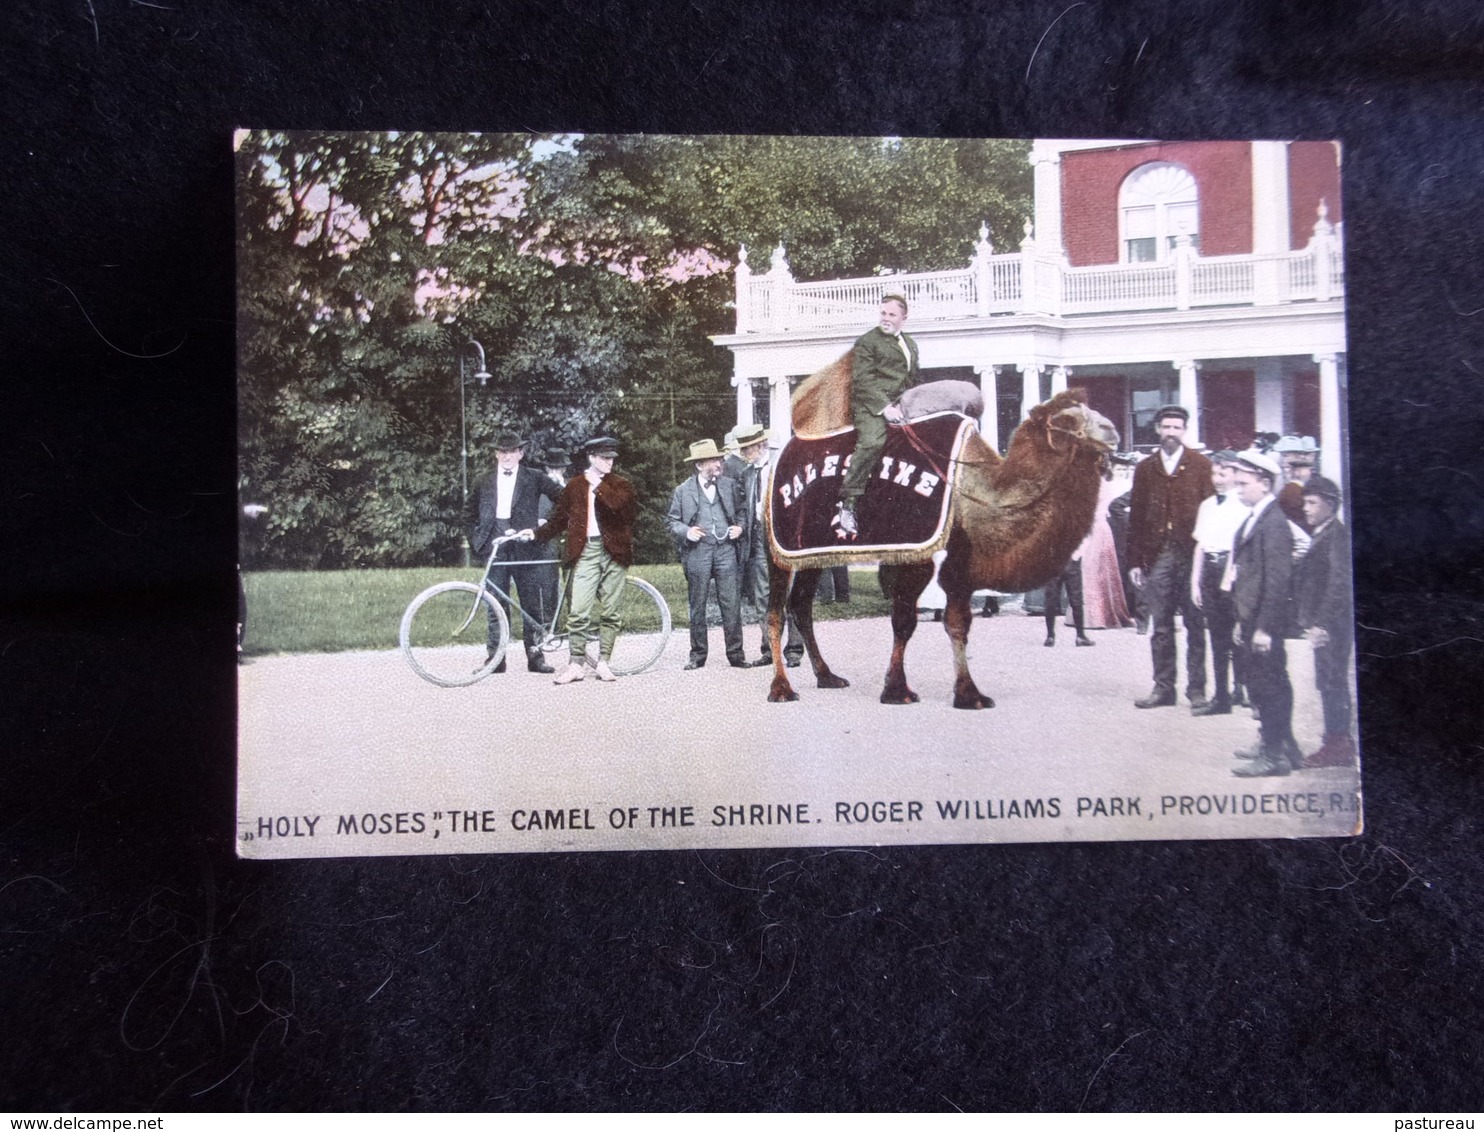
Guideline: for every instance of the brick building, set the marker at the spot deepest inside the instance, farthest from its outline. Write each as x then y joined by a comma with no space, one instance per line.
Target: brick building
1204,273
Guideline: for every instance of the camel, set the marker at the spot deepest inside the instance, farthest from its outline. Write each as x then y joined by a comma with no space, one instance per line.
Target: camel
1015,521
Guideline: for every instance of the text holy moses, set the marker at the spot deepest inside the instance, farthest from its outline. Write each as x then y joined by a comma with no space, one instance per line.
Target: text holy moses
567,819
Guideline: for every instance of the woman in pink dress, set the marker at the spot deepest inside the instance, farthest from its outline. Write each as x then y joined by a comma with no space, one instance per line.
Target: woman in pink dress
1102,586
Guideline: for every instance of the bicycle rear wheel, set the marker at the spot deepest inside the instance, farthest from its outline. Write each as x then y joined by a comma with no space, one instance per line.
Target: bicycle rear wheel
445,634
645,628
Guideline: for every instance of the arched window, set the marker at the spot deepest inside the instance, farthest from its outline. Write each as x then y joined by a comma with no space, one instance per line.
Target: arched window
1156,204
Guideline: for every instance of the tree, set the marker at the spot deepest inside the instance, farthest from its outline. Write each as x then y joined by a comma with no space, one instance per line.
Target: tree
592,270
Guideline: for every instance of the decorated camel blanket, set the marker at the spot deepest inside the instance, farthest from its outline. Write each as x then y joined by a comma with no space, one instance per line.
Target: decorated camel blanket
903,516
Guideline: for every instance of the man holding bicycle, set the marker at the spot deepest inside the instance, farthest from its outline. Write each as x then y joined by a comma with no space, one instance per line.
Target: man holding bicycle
503,501
597,512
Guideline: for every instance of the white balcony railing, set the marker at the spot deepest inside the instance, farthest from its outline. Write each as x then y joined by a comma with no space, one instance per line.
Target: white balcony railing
1028,282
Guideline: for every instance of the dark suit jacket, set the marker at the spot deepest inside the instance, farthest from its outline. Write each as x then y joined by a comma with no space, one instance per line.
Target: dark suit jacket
480,518
878,372
1162,508
685,510
617,509
1322,589
1263,589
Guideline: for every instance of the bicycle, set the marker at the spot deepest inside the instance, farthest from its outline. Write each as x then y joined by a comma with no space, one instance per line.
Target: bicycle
444,633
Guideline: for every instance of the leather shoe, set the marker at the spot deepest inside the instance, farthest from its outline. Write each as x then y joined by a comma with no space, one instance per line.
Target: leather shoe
500,667
535,662
1050,641
761,662
1198,700
604,673
1156,699
1084,642
1252,752
574,672
1269,764
692,665
1212,707
739,662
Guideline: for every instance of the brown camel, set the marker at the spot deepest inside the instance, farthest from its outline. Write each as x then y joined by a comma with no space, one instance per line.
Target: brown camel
1016,521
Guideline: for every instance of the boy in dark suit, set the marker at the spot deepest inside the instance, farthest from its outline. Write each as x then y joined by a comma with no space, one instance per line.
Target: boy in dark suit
1259,576
1326,615
502,502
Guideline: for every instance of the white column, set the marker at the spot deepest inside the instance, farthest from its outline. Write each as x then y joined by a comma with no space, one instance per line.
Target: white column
989,423
780,410
1331,443
1267,411
1059,375
743,279
744,400
1190,399
1270,223
1047,189
1030,387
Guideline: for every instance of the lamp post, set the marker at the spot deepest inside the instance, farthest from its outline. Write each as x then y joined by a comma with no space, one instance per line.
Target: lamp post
481,374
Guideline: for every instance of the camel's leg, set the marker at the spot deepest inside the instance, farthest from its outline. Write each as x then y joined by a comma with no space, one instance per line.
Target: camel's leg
780,587
958,619
801,605
908,582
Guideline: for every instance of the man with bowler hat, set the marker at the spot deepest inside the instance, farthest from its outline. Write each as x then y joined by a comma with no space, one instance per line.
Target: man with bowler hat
1167,493
706,521
502,502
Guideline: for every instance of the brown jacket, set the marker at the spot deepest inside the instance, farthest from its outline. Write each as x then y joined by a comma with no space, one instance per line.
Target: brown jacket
1162,508
617,508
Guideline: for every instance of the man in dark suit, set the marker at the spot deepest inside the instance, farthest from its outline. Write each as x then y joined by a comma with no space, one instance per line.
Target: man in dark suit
1327,617
750,469
1259,577
883,365
707,521
1168,489
502,502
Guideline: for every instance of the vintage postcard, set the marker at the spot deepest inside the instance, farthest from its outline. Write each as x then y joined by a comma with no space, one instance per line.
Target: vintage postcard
1038,449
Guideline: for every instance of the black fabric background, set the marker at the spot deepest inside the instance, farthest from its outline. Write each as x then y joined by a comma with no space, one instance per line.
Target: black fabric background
146,968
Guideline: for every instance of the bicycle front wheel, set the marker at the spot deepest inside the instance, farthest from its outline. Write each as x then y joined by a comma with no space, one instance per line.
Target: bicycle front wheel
446,631
645,628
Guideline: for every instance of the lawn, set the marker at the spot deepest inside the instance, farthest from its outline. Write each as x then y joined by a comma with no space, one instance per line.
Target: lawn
341,610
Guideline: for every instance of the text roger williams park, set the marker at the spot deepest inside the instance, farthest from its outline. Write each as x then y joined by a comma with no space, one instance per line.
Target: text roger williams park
539,818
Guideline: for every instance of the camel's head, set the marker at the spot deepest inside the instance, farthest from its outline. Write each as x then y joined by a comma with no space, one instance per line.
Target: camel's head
1067,419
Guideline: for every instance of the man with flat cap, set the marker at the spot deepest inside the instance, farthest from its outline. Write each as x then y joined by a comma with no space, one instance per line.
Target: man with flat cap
1327,617
750,468
1259,577
707,520
502,502
596,511
1168,489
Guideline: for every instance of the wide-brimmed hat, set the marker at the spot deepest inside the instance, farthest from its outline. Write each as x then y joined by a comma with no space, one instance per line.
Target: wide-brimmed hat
1251,460
750,434
600,444
704,450
507,441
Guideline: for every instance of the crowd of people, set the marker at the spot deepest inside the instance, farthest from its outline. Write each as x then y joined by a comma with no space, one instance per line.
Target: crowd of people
1197,540
1177,534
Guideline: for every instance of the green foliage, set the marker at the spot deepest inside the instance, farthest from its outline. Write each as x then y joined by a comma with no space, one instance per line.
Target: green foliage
590,269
